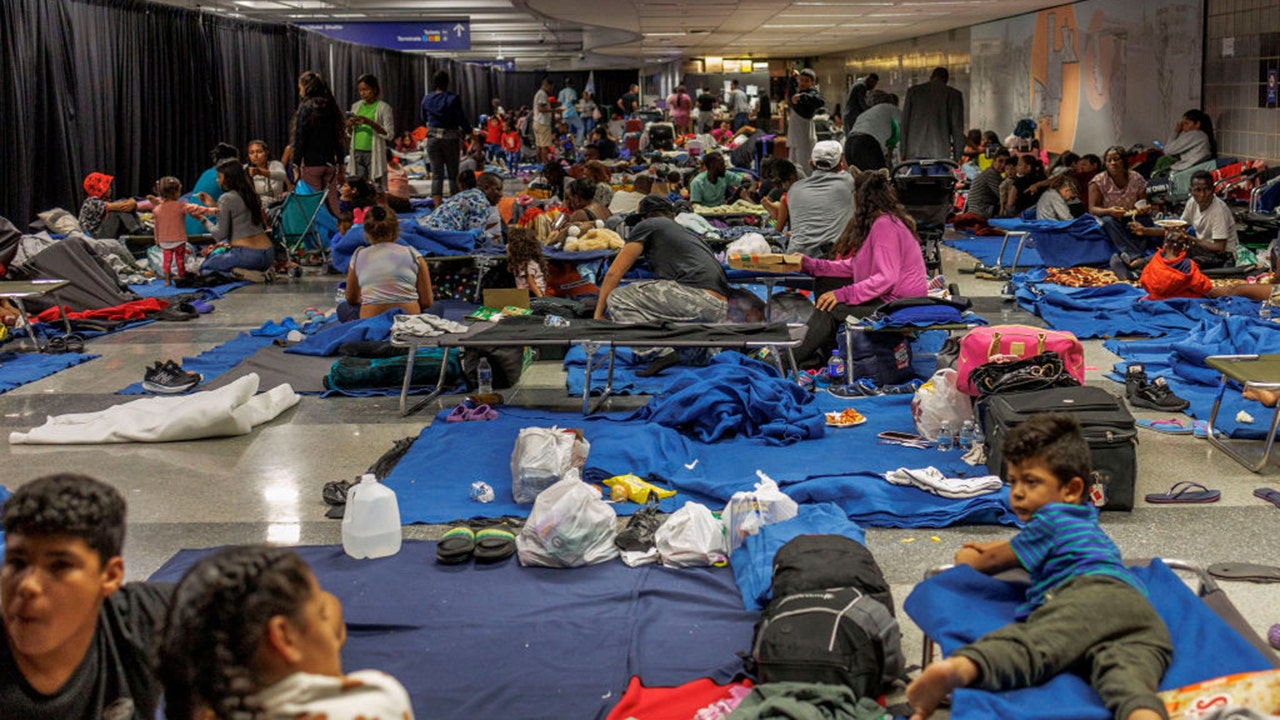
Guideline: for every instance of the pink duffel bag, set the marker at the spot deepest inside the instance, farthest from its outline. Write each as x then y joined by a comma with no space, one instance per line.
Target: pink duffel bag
984,344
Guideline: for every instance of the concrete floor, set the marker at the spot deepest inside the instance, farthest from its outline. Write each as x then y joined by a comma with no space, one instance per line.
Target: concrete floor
266,486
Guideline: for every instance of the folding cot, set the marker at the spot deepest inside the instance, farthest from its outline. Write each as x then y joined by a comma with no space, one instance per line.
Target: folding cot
596,335
1065,243
20,290
1256,371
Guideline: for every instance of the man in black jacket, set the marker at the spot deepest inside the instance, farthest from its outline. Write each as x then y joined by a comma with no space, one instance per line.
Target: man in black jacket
805,103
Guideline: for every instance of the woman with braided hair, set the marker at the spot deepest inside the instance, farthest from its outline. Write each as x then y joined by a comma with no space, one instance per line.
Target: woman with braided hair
252,636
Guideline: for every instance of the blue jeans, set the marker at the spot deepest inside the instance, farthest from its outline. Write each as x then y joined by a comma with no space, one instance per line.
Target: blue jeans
575,126
741,120
239,257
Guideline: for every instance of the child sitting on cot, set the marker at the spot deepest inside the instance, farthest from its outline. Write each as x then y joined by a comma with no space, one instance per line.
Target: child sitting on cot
251,634
385,274
525,261
1084,612
169,215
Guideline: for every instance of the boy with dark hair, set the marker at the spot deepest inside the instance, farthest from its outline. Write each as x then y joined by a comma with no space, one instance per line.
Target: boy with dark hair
1085,612
76,643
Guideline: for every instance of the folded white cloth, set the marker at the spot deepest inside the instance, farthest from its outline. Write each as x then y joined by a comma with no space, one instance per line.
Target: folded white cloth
931,479
423,326
234,409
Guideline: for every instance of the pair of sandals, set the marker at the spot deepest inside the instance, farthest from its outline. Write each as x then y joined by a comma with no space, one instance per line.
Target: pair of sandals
466,413
69,343
490,545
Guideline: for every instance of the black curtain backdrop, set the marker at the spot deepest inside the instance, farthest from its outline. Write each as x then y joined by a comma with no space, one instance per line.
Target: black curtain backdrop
140,90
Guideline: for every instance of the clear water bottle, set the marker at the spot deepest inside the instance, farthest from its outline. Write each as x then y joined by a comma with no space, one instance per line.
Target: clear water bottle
978,438
1264,311
484,376
835,366
371,523
965,438
946,440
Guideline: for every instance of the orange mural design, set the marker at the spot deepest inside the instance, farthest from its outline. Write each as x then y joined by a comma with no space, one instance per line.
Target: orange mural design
1055,77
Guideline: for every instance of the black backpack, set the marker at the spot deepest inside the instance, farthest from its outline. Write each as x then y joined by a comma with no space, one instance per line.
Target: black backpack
831,619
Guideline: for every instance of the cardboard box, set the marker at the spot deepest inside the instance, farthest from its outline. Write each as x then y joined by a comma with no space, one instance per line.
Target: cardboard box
772,262
1257,691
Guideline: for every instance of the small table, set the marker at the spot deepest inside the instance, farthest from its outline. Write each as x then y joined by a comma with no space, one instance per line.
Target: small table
1257,371
19,290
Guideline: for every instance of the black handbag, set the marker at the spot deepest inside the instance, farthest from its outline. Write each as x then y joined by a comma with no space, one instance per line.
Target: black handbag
1038,372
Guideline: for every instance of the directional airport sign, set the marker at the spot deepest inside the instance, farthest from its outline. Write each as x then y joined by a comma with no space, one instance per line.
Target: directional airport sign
451,34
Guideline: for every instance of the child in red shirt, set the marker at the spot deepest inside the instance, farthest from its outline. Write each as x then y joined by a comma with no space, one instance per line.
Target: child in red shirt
169,217
511,147
493,137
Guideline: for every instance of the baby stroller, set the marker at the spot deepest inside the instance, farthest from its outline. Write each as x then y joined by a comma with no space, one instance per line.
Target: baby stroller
927,189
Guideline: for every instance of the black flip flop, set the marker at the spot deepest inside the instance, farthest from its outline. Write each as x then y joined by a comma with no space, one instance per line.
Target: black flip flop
456,547
1185,492
1271,495
1248,572
494,545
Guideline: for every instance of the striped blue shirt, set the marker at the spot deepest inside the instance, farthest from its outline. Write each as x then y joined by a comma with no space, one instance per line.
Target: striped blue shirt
1063,542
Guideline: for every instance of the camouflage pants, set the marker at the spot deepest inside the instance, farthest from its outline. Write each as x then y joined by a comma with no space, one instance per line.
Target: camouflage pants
663,301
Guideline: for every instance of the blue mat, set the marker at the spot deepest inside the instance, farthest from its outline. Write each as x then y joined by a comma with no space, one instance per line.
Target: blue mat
961,605
473,641
18,369
433,478
1180,361
157,289
216,360
1118,309
625,380
987,251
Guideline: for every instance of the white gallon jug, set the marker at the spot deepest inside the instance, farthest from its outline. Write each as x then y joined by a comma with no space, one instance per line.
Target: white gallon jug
371,524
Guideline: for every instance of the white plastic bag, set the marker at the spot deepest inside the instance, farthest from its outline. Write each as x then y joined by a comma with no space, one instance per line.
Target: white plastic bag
543,457
749,511
691,537
570,526
938,400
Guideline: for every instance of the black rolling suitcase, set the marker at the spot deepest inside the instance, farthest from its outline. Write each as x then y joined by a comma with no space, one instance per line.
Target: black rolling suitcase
1108,428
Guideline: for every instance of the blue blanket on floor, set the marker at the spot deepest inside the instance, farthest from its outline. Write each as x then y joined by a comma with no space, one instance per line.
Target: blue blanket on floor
960,605
625,380
18,369
753,560
216,360
425,241
433,478
1180,361
481,641
735,395
327,340
987,251
157,289
1119,309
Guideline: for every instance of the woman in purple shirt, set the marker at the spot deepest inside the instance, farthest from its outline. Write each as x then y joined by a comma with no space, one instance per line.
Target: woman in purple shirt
877,260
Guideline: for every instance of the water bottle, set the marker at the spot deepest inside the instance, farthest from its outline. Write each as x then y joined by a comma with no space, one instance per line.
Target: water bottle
945,439
835,367
965,439
978,438
484,377
1264,311
371,523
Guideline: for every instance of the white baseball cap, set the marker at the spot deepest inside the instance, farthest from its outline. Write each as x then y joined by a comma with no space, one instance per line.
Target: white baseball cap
826,155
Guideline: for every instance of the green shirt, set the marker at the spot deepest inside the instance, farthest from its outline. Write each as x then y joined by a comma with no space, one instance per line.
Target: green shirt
362,137
712,194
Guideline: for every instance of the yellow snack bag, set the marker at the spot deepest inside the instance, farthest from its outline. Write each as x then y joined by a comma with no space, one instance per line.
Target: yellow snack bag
636,489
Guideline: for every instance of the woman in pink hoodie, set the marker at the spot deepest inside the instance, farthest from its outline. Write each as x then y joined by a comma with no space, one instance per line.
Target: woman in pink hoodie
878,259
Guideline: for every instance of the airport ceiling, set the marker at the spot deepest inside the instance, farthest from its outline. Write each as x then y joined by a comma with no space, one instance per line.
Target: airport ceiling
603,33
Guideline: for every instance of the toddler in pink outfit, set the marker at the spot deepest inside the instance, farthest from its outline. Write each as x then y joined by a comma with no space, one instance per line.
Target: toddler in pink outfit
169,218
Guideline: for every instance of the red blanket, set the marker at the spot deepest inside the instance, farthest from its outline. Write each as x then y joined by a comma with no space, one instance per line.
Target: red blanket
135,310
670,703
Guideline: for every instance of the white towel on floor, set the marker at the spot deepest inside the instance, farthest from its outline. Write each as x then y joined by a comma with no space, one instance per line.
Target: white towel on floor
234,409
423,326
932,480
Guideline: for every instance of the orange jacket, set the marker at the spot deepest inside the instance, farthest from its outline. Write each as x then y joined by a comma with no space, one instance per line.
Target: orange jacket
1162,281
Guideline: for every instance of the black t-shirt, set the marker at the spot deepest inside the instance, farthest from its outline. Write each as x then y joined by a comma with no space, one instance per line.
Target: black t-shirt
675,253
629,101
607,149
114,681
764,112
317,138
706,102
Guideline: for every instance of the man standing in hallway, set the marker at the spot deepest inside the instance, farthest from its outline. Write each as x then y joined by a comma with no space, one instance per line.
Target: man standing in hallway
739,106
859,100
933,119
543,137
568,101
629,103
805,103
706,112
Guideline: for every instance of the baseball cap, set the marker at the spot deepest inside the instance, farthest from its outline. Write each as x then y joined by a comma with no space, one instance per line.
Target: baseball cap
827,154
648,204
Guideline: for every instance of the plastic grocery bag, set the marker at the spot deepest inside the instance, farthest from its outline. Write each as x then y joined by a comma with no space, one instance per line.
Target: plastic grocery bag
939,400
570,526
748,511
691,537
543,457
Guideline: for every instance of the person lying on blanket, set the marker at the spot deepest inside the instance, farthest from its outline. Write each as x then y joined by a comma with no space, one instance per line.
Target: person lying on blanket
252,634
1085,611
1171,273
77,639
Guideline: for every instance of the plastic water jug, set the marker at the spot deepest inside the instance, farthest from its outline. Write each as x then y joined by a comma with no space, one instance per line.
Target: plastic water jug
371,524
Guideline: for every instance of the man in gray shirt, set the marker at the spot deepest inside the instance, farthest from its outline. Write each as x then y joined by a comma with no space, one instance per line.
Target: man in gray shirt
821,205
872,133
933,119
739,104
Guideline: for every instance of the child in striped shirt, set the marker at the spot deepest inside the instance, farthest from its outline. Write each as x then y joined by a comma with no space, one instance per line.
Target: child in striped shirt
1085,612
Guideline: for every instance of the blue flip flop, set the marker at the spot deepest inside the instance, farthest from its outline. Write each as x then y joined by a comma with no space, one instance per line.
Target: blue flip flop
1172,426
1185,492
1271,495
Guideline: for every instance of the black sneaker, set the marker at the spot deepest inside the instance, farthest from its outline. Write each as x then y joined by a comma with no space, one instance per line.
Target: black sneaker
1157,395
1135,377
660,363
169,379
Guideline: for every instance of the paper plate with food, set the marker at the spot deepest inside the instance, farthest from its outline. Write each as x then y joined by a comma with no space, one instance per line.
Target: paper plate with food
845,418
1171,224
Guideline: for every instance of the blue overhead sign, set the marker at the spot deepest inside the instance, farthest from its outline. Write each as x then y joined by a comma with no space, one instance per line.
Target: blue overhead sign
507,65
452,34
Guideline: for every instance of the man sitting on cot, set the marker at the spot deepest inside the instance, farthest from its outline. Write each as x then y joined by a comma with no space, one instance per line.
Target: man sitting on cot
689,284
77,640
